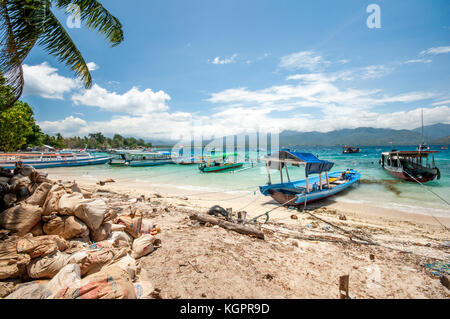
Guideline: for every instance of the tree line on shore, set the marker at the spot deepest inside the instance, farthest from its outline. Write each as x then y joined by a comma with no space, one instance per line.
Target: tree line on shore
19,130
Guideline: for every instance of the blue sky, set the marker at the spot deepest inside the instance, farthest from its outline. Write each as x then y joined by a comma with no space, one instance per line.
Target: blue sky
224,67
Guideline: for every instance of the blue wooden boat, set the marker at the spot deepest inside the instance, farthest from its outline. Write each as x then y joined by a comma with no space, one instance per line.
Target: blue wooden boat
139,158
300,192
51,160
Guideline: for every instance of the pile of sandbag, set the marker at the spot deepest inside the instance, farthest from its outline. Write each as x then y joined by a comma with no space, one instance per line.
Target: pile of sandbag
70,244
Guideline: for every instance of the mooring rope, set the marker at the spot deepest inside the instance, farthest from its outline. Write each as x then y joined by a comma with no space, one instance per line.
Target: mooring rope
446,228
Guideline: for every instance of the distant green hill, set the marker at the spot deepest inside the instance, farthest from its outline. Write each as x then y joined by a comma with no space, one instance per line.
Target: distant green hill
367,136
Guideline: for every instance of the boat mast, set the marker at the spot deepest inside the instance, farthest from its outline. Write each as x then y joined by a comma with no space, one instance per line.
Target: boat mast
423,141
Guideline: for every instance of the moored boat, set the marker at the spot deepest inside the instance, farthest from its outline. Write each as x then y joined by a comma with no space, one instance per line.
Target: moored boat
350,150
50,160
220,162
138,158
411,166
300,192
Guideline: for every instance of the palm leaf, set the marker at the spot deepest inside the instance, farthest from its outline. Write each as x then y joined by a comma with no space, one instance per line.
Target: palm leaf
96,17
55,39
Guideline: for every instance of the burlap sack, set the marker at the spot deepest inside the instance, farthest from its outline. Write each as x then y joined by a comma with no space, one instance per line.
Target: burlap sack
12,263
144,245
68,202
39,195
101,233
31,290
52,200
47,266
41,246
91,212
111,283
20,219
67,227
132,225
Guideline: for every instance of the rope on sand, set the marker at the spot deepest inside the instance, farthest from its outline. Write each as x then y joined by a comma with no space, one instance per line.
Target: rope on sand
438,196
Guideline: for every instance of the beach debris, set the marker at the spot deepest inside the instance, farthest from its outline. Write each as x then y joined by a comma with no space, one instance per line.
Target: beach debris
445,281
372,257
144,245
343,287
342,217
293,216
102,183
246,230
195,267
438,268
268,276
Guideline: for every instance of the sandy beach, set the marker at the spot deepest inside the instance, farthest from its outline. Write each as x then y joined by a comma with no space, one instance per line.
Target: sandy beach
384,251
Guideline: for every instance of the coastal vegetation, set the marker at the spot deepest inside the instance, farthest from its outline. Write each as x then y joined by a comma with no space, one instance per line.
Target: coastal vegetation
30,22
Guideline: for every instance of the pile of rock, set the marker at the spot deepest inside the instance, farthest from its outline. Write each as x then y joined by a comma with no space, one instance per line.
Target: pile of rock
67,241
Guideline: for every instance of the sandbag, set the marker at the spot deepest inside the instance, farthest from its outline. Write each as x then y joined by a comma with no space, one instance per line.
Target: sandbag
31,290
39,195
144,245
68,202
121,239
9,199
21,218
92,261
19,181
117,227
101,233
12,263
41,246
68,276
126,263
110,283
67,227
47,266
143,289
91,212
37,230
52,200
132,225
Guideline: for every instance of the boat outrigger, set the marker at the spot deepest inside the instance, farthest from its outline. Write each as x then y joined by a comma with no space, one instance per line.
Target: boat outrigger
50,160
220,162
411,166
300,192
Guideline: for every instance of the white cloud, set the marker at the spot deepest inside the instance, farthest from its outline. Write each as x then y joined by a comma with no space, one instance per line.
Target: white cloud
134,101
418,61
92,66
44,80
375,71
70,126
436,50
227,60
303,60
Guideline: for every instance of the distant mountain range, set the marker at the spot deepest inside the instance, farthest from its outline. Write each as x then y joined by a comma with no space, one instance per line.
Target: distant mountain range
368,136
363,136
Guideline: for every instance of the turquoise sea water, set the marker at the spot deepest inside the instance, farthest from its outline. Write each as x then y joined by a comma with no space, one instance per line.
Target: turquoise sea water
404,196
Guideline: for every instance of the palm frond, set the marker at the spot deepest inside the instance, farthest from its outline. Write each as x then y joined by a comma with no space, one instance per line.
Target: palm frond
55,39
96,17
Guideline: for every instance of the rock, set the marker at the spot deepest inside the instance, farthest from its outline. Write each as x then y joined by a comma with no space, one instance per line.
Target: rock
445,281
342,217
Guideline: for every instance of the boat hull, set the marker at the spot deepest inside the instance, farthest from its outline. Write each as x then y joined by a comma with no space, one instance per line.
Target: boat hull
58,163
313,196
216,169
400,174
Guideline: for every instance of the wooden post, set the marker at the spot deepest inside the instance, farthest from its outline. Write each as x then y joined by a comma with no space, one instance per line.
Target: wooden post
343,287
307,185
268,172
281,172
287,172
328,180
320,180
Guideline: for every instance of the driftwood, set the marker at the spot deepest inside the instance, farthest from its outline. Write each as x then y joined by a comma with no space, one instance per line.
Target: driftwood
228,225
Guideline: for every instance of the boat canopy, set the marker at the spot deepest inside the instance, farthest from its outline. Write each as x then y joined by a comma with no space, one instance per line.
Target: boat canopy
313,165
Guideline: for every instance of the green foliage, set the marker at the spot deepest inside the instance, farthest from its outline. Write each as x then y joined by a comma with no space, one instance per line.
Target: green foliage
16,126
23,23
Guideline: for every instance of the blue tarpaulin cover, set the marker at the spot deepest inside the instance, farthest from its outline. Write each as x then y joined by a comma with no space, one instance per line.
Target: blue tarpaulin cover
313,165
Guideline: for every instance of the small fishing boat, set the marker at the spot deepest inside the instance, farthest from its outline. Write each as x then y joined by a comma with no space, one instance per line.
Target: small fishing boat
301,192
139,158
51,160
411,166
350,150
220,162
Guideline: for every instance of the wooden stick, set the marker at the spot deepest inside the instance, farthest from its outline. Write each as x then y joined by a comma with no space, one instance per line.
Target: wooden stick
227,225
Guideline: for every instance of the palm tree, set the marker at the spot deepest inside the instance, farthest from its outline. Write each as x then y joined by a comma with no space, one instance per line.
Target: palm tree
25,23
